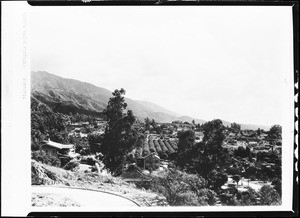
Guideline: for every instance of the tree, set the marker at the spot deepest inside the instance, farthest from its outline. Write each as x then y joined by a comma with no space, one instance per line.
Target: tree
269,196
235,127
94,140
248,197
204,157
275,132
242,152
42,157
216,179
277,185
47,123
185,143
147,124
119,137
186,140
236,178
214,134
181,188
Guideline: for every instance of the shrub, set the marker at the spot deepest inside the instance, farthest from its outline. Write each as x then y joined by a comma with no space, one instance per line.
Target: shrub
216,179
207,196
188,198
90,161
228,199
252,177
248,197
42,157
65,160
144,184
180,188
277,185
94,169
163,155
229,196
71,165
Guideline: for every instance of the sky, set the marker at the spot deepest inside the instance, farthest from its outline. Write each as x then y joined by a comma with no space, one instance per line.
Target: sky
210,62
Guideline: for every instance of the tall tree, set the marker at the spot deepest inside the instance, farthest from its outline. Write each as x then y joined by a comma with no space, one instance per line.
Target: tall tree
186,140
147,124
203,157
214,135
119,137
275,132
185,143
235,127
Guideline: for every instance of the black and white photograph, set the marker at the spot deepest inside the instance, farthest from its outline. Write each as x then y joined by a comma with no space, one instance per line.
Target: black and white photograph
155,108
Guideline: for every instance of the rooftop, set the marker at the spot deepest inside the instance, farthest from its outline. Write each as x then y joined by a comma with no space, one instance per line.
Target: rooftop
57,145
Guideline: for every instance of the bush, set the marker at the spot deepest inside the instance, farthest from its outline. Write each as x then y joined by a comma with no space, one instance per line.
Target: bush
163,155
248,197
65,160
216,179
228,199
229,196
71,165
207,196
42,157
277,185
183,189
188,198
90,161
269,196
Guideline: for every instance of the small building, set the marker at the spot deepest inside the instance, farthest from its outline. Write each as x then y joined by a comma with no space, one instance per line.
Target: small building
151,161
58,150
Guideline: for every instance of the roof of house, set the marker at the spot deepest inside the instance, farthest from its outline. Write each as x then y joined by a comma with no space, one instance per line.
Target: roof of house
57,145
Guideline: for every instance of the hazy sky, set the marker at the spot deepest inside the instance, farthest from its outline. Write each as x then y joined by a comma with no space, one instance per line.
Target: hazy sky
205,62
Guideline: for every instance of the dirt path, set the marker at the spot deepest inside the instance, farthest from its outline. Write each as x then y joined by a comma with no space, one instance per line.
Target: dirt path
86,198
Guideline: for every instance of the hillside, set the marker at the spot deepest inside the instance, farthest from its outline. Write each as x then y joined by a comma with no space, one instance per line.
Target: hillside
43,175
69,95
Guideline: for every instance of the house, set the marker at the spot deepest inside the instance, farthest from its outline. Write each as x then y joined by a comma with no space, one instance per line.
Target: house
151,161
58,150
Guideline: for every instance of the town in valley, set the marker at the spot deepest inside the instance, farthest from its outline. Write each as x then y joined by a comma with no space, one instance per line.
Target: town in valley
153,162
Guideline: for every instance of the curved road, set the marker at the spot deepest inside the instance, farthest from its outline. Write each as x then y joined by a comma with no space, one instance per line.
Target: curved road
87,198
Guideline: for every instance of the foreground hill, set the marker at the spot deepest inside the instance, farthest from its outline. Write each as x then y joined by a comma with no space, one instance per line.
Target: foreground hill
69,95
50,177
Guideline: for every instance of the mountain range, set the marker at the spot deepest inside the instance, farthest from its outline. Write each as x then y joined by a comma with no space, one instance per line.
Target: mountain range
69,95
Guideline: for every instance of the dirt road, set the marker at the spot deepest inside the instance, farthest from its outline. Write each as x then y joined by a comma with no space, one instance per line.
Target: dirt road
86,198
